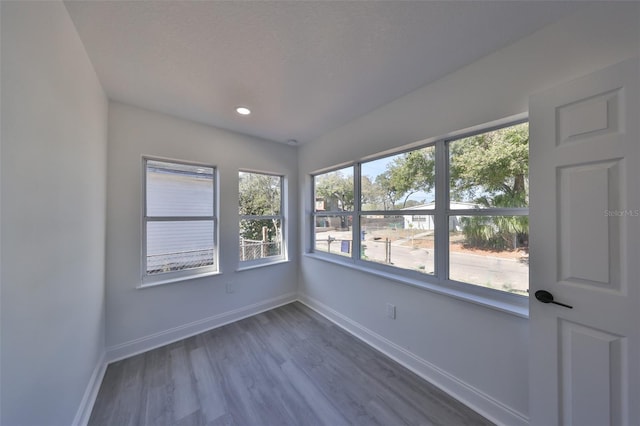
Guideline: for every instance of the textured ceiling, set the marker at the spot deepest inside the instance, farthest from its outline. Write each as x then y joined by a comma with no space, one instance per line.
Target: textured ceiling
304,67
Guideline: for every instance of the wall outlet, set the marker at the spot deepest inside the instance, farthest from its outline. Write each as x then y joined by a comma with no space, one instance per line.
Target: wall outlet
230,287
391,311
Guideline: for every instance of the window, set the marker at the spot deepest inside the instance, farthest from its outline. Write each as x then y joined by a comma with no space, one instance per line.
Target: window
179,229
490,172
396,218
453,212
334,205
261,217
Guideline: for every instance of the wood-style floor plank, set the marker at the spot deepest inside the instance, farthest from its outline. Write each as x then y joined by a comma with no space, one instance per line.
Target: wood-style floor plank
287,366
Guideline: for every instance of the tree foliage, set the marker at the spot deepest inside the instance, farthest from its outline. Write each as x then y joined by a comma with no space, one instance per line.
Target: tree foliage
336,189
495,232
492,169
407,174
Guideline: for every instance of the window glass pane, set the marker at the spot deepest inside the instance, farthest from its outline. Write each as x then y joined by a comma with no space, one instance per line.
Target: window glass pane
174,246
178,189
260,194
260,238
333,234
400,181
405,241
490,251
334,190
490,169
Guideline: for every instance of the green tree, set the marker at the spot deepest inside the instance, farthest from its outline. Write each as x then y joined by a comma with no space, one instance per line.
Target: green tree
407,174
373,197
492,170
336,190
495,232
389,194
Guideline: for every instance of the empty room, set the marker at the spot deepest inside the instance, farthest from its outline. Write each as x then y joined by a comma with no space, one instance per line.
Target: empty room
319,213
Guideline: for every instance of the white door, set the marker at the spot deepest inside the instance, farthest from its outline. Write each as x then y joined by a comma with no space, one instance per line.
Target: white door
585,250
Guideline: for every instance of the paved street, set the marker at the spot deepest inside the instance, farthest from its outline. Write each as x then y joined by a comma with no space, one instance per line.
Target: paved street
488,271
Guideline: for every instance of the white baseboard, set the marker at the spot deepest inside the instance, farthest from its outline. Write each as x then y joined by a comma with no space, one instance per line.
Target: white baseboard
156,340
90,394
474,398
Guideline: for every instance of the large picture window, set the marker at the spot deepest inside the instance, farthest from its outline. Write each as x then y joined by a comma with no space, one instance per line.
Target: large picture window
261,217
179,229
453,212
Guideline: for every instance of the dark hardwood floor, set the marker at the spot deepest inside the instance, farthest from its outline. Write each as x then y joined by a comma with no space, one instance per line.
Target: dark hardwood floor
287,366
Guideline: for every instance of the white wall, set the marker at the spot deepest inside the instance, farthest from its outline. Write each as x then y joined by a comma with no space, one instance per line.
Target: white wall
479,354
138,319
53,176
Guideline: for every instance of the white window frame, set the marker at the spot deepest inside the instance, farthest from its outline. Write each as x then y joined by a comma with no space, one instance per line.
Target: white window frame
283,256
439,282
148,280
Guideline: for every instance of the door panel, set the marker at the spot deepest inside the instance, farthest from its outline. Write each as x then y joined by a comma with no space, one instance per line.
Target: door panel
588,118
584,349
585,250
586,194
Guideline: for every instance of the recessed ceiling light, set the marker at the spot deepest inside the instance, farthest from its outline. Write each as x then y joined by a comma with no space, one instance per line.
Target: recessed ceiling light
243,110
292,142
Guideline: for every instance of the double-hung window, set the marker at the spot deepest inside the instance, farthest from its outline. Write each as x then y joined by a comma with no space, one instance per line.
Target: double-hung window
396,217
488,209
453,212
262,218
333,212
179,221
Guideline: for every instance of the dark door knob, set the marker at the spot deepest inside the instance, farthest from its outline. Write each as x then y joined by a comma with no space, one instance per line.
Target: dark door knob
546,297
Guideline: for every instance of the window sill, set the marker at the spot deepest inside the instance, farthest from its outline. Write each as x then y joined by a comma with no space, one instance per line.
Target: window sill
172,280
249,266
507,306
